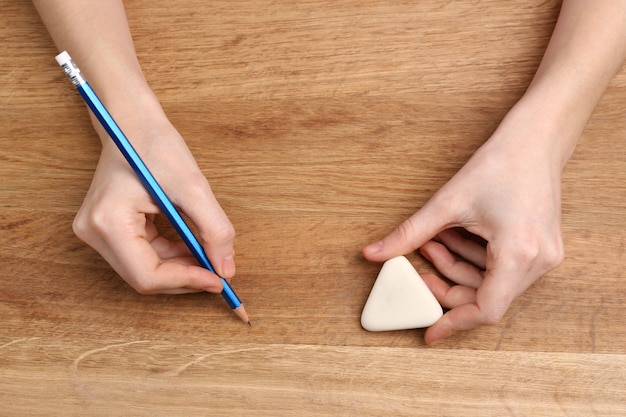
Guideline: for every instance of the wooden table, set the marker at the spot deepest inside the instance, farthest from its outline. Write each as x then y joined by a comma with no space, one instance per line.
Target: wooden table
320,125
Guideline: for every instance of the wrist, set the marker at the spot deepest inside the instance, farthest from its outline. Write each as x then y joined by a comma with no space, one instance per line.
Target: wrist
539,127
138,114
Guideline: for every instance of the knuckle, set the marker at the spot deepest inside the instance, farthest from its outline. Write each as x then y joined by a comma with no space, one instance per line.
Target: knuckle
494,309
196,186
493,316
553,255
80,226
95,221
526,253
221,233
518,254
536,247
405,231
144,286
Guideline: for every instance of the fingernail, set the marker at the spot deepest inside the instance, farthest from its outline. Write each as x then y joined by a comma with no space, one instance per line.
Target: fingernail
228,266
374,248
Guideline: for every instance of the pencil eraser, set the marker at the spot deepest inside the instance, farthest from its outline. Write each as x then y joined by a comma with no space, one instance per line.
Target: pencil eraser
63,58
399,300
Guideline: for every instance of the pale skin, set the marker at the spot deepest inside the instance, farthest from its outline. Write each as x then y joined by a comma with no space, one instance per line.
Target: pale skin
500,214
116,217
509,192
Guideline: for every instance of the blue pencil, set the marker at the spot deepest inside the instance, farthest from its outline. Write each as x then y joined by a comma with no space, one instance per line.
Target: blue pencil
73,73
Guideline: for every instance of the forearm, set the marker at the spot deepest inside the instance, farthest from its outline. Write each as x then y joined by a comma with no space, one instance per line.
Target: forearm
97,36
587,48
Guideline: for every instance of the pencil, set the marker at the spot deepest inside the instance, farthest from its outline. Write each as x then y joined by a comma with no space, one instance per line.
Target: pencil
152,186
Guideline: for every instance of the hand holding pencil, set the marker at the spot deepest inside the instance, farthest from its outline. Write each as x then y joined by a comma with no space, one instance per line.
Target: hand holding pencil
117,216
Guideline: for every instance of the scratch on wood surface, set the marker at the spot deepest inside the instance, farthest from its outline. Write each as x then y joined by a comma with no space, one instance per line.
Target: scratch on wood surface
508,324
506,404
17,341
182,368
594,320
74,366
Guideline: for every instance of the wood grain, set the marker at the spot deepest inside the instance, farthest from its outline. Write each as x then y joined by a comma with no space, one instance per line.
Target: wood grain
320,126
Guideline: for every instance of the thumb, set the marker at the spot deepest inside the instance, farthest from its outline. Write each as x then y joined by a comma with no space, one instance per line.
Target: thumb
410,234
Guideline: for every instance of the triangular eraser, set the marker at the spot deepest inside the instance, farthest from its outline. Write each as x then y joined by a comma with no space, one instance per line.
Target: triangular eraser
399,300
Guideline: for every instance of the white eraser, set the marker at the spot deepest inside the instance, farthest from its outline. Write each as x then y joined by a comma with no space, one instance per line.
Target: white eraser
71,69
399,300
63,58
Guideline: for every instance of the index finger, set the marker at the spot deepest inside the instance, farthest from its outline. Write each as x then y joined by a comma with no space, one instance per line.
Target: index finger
412,233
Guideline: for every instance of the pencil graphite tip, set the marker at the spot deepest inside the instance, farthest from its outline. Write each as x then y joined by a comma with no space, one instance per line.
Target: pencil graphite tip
249,324
241,312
